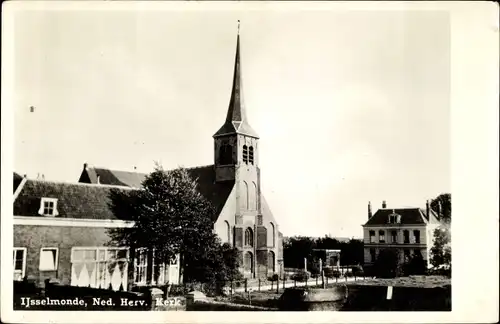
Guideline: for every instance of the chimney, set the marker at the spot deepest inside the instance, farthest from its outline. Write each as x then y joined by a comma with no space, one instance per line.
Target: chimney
43,176
369,210
384,204
85,166
427,208
98,179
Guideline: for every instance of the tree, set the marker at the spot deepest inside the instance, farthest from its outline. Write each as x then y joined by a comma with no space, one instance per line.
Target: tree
416,265
171,217
442,206
441,249
387,264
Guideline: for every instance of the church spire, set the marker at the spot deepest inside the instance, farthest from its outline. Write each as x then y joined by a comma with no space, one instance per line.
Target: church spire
236,119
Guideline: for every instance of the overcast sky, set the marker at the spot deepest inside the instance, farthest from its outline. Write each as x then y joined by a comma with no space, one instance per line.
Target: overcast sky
350,106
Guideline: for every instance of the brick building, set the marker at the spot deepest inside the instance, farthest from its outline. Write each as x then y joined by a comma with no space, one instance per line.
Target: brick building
62,231
409,231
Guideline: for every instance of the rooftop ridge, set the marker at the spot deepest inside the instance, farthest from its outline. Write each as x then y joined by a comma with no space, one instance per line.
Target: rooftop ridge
82,184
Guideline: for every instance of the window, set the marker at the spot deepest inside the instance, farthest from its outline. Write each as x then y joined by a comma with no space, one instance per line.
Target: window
48,207
394,236
272,235
19,262
394,218
99,267
250,155
48,259
381,236
372,237
373,256
255,203
228,232
416,234
245,154
140,266
406,236
245,195
248,262
248,237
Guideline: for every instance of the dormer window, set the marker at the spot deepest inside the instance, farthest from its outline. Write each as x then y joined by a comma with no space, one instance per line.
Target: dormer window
48,207
394,218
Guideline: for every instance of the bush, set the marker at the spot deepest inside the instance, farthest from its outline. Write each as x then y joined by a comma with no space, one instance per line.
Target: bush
274,277
348,274
446,272
416,266
301,276
387,264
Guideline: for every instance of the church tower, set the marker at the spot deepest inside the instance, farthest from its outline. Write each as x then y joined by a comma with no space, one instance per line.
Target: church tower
236,159
235,143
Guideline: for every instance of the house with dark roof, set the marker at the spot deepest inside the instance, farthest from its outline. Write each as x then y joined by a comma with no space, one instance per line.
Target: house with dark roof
232,184
63,231
409,231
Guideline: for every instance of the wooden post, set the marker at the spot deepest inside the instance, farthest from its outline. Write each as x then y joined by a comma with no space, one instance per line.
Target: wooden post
259,284
323,279
284,283
294,282
232,287
272,284
317,280
246,284
278,285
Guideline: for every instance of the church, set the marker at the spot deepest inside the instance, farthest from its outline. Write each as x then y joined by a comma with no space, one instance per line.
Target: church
232,184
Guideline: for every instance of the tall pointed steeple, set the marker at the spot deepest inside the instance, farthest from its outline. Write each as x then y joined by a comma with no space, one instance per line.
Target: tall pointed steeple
236,119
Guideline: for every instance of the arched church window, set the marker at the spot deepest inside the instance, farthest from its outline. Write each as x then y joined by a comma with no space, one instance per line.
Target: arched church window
248,262
255,201
245,195
245,154
228,232
250,155
248,237
272,237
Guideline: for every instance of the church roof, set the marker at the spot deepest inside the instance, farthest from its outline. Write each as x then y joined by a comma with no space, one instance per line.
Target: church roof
409,216
215,192
236,119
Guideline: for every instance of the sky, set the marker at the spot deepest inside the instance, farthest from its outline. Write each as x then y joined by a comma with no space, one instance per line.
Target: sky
350,106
